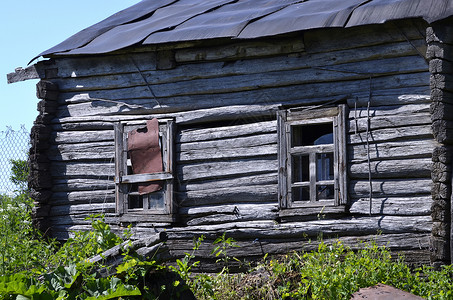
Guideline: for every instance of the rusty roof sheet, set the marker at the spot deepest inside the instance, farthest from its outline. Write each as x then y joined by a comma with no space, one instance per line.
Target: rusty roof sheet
162,21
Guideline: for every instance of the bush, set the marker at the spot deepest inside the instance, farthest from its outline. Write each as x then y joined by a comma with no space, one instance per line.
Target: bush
22,247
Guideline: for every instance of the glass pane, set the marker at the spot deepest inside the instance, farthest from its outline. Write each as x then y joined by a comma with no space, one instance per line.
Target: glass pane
325,192
309,135
300,193
324,166
300,168
156,200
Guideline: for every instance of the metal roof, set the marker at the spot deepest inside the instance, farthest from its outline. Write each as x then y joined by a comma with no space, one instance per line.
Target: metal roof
163,21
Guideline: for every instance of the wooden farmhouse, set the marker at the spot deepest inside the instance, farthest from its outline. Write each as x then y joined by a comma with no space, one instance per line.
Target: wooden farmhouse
273,121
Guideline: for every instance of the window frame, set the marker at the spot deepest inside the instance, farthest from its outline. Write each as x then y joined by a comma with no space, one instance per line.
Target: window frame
286,118
123,182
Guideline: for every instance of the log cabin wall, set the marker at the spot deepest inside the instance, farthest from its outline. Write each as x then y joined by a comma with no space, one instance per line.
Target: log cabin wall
224,97
440,55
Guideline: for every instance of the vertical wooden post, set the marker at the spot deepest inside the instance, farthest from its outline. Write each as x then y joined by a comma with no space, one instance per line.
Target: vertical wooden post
120,167
282,159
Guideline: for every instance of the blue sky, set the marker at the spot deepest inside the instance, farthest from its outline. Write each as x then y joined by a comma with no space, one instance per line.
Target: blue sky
28,27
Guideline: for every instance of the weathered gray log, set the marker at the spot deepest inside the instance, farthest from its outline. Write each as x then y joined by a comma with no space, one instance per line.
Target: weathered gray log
228,213
441,81
226,168
436,50
247,80
236,113
234,209
143,247
392,134
75,214
82,126
315,79
241,67
360,124
82,151
80,184
403,206
440,66
241,50
414,249
152,251
259,247
117,100
440,95
82,137
397,97
391,187
410,104
441,172
110,218
254,145
62,232
401,168
439,32
344,226
111,253
81,170
443,154
210,184
321,40
79,219
233,131
441,111
83,197
21,74
228,195
380,97
391,48
392,150
230,143
118,64
232,153
112,64
442,130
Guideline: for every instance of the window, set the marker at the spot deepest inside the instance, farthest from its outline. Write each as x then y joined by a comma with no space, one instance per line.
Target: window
312,156
144,170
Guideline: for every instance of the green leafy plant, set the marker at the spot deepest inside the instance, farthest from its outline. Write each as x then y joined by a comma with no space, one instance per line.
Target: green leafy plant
184,267
223,245
69,274
22,247
85,244
333,271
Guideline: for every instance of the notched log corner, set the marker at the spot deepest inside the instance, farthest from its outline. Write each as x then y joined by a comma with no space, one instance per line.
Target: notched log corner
47,90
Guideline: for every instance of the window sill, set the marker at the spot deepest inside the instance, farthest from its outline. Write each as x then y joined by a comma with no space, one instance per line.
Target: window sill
146,216
310,213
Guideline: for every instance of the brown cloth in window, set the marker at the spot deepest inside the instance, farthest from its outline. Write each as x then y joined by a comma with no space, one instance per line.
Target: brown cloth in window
146,156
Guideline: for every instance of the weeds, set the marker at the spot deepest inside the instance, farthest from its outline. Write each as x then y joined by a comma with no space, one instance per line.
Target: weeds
34,268
333,271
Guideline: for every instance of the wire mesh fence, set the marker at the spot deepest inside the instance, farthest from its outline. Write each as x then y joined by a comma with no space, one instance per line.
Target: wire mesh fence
14,145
